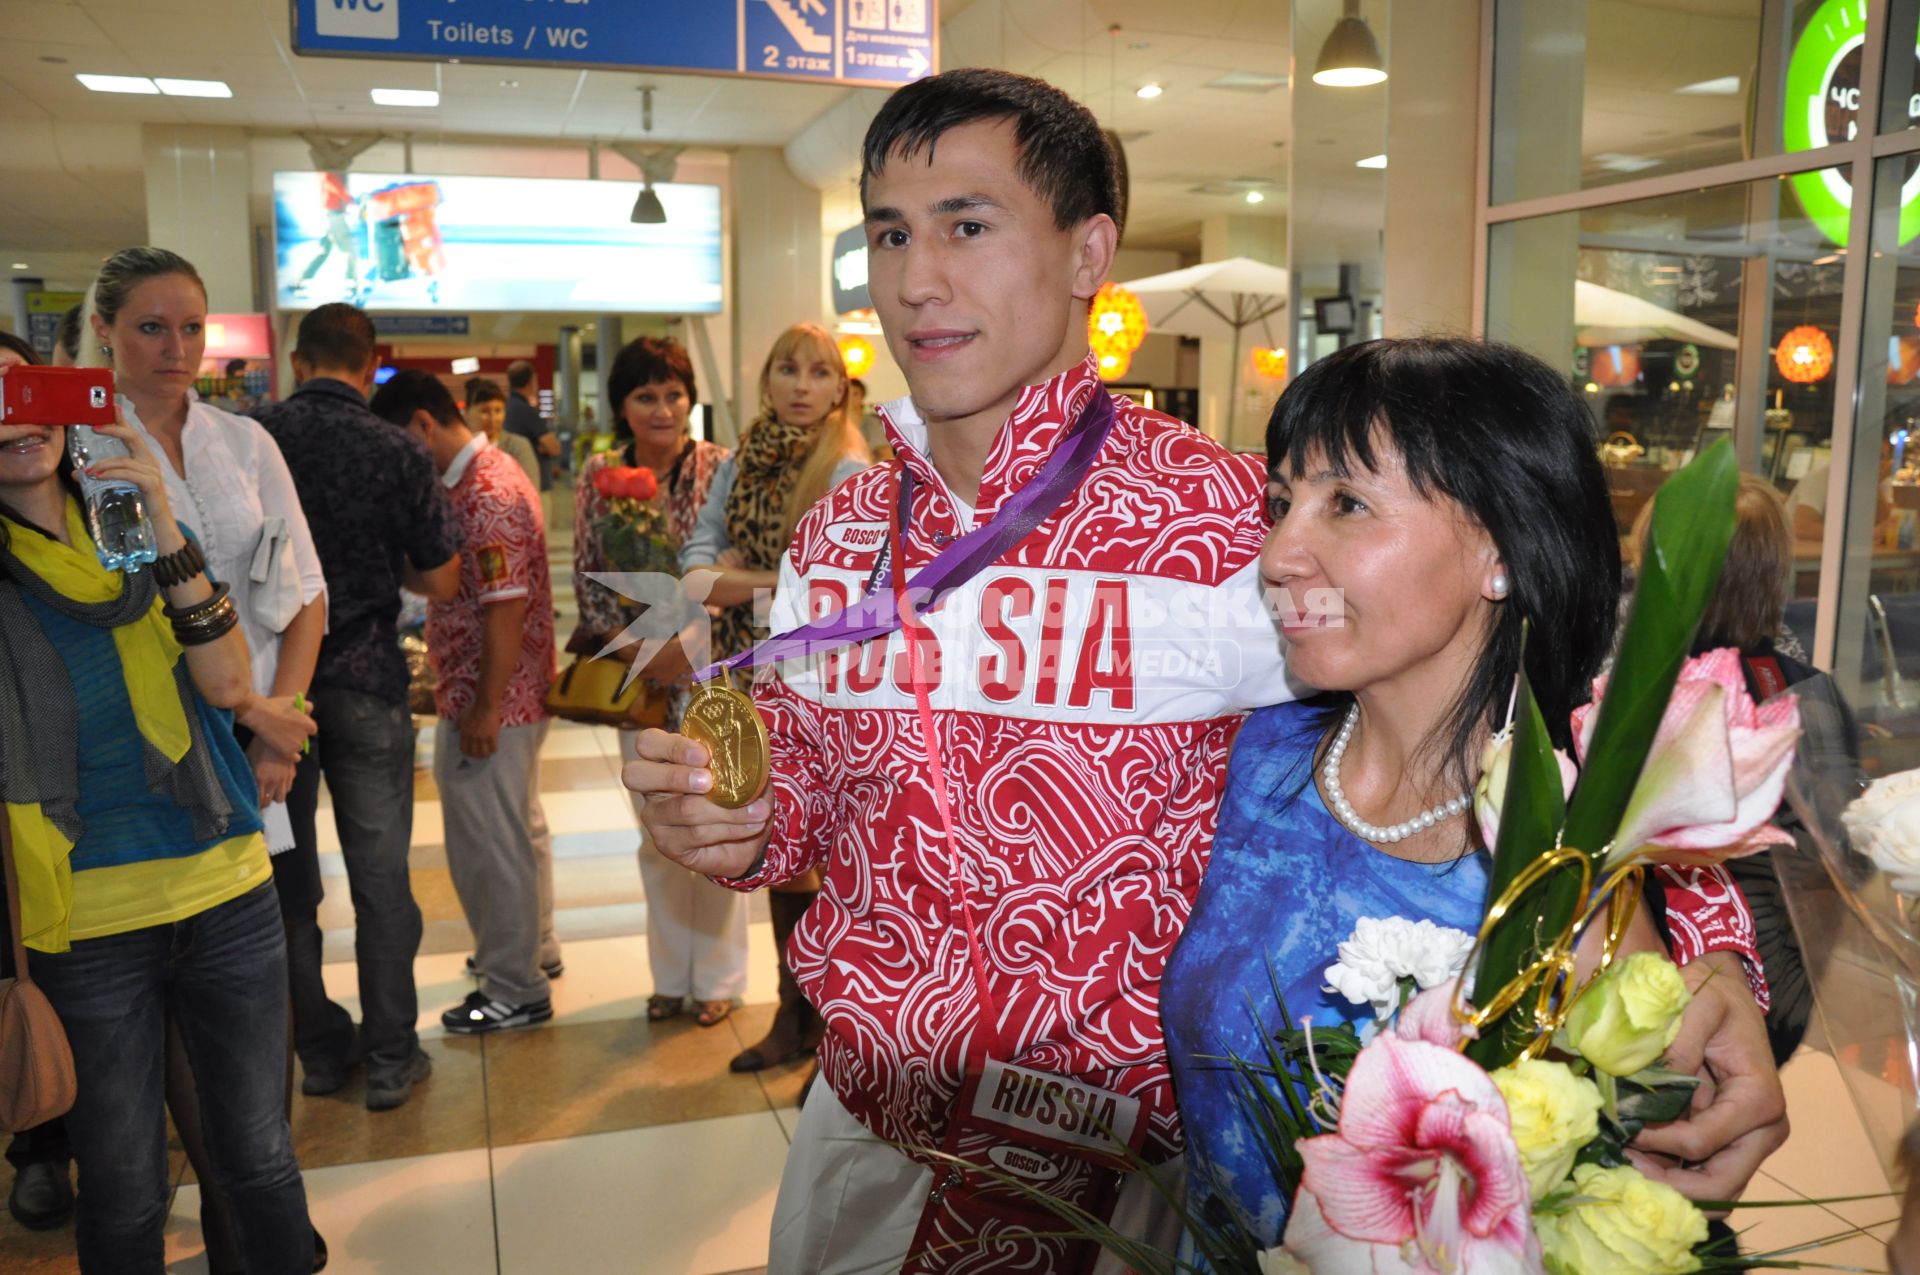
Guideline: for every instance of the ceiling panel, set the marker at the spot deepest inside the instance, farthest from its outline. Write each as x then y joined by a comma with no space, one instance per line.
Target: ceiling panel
1189,137
55,21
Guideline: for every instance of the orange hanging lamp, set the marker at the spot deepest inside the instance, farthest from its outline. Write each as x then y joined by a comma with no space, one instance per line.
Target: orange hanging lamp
1804,355
1116,324
857,353
1270,363
1615,366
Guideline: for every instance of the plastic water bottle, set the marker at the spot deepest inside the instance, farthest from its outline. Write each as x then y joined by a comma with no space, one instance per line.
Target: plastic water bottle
116,512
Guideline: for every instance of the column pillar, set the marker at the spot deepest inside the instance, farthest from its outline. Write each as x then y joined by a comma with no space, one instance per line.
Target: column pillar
1240,422
566,375
608,336
1433,107
779,275
198,198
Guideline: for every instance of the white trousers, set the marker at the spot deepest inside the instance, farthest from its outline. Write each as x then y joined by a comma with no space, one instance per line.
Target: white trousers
696,930
849,1203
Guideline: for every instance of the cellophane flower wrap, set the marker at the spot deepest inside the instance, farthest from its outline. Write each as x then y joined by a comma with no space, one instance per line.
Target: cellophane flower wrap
1853,891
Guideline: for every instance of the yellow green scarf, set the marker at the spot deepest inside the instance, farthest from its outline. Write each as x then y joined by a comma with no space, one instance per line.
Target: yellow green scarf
148,652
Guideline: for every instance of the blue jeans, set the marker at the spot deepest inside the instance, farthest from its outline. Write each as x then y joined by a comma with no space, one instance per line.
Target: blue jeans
223,976
366,754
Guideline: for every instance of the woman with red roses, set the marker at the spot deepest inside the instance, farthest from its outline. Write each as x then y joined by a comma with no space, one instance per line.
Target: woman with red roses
696,930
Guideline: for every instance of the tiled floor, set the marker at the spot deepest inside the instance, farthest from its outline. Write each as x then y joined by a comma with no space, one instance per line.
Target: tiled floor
603,1143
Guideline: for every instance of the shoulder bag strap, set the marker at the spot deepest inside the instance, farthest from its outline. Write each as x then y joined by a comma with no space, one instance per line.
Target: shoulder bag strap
20,971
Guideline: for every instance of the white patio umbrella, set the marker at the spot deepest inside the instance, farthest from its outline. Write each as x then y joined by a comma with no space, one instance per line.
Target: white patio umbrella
1606,316
1216,299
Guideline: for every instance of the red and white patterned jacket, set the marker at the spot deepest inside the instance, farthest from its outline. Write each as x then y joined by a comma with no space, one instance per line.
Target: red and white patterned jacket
1089,685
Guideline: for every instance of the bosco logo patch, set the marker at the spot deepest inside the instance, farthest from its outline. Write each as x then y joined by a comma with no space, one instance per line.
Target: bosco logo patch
861,537
1024,1163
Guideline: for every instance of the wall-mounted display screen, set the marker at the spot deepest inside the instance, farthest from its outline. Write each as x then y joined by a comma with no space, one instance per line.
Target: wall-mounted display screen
391,241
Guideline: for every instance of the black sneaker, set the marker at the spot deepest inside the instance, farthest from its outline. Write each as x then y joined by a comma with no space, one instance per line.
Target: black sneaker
392,1089
554,970
319,1079
480,1013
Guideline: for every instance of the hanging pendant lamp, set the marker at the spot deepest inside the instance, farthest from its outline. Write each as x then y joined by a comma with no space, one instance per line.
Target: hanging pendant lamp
1351,56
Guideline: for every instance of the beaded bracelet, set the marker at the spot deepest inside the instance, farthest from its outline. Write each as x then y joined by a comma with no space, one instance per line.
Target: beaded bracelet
180,566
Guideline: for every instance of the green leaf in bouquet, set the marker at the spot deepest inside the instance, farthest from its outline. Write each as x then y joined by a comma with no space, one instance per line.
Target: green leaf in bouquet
1693,520
1652,1096
1530,818
1655,1095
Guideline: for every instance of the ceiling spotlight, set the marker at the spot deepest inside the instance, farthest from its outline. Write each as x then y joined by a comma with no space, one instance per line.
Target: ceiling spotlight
1371,161
193,88
1351,56
405,97
119,84
1255,197
647,210
1148,91
19,265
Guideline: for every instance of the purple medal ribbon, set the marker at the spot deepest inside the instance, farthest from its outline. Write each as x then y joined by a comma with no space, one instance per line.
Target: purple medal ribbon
878,614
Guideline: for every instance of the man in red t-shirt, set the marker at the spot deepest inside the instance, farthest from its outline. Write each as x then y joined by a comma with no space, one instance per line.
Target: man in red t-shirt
492,651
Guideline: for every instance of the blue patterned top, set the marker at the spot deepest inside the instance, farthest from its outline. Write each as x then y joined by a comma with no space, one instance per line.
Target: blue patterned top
1285,885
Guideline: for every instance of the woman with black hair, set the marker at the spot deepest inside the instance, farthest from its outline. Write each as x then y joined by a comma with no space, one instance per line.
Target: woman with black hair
1450,491
696,930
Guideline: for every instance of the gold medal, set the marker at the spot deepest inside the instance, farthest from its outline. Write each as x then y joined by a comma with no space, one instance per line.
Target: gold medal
727,724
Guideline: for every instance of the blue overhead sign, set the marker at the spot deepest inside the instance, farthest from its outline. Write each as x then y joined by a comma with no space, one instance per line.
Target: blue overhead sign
858,42
422,324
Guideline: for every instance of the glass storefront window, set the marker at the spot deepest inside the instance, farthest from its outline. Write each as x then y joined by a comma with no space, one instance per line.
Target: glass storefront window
1877,652
1589,93
1686,319
1900,90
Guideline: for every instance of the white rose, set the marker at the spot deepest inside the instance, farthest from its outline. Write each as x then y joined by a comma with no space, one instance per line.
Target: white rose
1382,951
1884,824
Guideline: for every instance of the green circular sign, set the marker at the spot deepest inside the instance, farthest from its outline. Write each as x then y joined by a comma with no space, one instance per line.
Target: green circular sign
1823,107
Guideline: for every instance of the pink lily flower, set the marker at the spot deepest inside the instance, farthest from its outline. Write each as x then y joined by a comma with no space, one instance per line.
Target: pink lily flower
1429,1017
1716,771
1423,1175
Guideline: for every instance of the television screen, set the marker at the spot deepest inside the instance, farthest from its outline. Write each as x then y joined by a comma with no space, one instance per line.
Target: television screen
390,241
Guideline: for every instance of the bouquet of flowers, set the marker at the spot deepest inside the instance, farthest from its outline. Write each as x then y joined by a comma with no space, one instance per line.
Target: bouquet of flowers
633,531
1479,1124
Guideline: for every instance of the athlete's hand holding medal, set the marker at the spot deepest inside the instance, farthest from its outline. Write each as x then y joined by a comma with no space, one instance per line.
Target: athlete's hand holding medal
706,806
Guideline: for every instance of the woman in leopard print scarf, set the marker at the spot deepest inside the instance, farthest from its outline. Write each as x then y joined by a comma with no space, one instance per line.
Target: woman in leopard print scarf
799,447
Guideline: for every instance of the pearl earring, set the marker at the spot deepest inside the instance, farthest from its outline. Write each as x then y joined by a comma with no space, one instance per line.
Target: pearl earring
1500,585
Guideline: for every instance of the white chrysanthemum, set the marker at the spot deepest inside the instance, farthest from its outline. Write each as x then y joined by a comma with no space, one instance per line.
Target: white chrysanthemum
1383,950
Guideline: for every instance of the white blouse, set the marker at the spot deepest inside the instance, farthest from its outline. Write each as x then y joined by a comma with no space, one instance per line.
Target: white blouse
236,481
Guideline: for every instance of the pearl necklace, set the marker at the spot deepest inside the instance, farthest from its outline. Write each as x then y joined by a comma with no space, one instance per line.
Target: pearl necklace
1343,809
